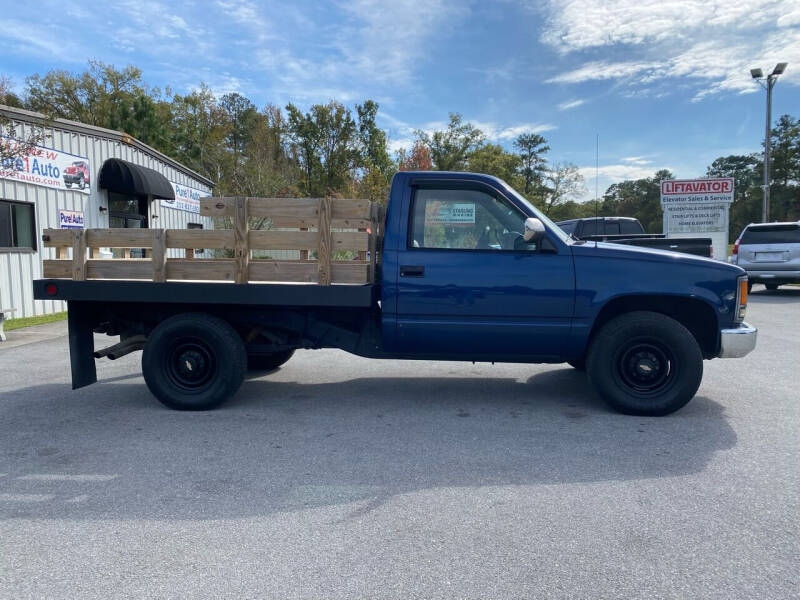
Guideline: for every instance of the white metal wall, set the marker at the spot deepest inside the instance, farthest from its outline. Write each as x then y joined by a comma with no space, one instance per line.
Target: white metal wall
19,269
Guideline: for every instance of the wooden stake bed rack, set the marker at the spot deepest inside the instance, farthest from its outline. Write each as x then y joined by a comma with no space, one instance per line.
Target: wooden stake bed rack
323,225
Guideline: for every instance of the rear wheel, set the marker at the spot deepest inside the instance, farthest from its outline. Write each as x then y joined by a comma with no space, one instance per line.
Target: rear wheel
193,361
771,286
268,362
645,363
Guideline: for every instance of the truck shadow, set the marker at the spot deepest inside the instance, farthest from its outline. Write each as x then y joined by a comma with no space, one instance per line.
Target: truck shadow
110,451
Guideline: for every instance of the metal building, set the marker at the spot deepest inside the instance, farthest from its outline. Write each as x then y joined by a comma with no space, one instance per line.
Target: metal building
82,176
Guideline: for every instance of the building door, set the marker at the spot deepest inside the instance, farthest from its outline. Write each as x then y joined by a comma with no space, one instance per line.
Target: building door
129,212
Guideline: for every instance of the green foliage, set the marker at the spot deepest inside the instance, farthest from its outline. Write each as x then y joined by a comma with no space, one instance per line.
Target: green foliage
450,149
532,147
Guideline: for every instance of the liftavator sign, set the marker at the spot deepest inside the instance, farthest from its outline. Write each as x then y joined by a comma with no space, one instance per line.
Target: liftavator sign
697,207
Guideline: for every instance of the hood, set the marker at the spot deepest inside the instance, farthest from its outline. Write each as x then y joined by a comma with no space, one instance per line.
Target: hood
623,251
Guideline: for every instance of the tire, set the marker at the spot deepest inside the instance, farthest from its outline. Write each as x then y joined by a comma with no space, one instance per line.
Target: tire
69,185
771,286
579,365
194,361
268,362
81,184
645,363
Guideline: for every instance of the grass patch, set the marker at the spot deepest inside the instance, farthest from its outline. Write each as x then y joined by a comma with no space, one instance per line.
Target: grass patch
30,321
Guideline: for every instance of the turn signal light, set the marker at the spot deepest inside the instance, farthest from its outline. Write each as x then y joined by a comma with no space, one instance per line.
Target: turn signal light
742,304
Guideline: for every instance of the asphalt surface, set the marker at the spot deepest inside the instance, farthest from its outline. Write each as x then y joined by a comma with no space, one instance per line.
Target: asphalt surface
341,477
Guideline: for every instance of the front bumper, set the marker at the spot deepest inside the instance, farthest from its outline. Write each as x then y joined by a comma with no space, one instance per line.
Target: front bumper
737,342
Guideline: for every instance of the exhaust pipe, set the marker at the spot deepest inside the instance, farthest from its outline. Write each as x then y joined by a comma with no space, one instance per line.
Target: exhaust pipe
131,344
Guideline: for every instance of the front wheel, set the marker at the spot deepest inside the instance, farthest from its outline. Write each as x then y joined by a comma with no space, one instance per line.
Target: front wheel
193,361
645,363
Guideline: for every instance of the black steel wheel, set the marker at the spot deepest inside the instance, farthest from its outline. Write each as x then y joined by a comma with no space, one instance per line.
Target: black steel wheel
193,361
645,363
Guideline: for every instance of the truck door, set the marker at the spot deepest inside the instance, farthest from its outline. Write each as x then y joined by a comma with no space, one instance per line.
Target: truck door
469,286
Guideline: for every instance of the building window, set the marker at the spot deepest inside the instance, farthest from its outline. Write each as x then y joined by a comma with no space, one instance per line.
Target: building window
17,225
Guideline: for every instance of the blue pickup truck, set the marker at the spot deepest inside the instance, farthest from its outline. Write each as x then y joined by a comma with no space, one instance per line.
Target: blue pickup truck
468,270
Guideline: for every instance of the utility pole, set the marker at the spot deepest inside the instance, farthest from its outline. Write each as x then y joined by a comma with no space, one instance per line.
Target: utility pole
768,82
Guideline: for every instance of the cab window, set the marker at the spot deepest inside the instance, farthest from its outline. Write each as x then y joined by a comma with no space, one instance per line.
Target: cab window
464,219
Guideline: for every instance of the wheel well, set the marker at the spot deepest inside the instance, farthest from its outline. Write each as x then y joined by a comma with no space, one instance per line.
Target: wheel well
696,315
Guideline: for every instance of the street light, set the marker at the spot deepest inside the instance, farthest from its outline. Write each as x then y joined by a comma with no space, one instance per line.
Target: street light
768,82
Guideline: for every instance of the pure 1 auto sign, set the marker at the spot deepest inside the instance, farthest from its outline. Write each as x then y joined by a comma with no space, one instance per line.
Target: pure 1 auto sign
694,207
46,167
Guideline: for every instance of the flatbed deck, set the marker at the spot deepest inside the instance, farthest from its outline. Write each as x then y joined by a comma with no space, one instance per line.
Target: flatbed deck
185,292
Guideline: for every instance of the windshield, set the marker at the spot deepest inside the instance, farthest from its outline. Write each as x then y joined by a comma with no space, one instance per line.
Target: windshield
539,215
772,234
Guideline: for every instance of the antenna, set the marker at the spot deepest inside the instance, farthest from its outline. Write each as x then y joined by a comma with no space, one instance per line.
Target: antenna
596,176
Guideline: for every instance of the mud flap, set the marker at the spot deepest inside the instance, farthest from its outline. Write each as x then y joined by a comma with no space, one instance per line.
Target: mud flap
81,343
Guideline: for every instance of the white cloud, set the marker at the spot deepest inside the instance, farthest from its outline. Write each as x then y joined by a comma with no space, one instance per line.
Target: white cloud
571,104
636,160
610,174
712,42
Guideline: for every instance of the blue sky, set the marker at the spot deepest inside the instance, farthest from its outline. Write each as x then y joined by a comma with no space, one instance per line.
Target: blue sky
664,83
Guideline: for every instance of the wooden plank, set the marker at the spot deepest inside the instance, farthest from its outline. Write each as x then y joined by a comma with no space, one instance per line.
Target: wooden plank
350,240
56,269
217,207
324,243
373,242
241,250
79,254
283,270
295,208
117,268
119,237
343,208
282,240
350,272
201,269
53,238
200,238
288,222
189,252
159,256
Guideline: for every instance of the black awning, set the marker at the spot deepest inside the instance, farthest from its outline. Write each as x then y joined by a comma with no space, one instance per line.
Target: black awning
123,177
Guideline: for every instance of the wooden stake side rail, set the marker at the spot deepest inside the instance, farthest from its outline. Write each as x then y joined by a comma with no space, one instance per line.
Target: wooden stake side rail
323,214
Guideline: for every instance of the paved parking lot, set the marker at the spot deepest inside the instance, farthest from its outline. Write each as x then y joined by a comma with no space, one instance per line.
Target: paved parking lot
343,477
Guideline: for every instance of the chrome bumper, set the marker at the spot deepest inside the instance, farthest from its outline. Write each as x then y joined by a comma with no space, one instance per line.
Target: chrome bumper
737,342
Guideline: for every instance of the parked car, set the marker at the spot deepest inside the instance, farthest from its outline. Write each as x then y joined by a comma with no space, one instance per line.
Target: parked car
465,269
770,253
77,173
627,230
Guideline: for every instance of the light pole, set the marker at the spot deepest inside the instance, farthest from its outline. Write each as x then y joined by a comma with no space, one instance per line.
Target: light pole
768,82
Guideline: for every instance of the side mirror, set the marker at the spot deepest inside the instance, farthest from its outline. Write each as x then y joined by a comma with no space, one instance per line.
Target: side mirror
534,230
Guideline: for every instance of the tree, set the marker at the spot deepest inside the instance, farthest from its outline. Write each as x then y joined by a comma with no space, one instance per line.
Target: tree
450,149
746,173
563,181
494,160
418,159
785,157
326,141
242,116
13,147
640,198
532,147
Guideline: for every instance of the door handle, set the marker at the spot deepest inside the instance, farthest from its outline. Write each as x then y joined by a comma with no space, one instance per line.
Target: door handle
412,271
